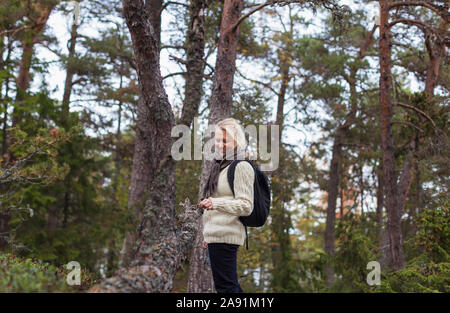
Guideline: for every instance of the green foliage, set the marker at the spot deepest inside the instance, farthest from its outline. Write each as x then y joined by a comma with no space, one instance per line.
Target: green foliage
429,268
32,275
355,247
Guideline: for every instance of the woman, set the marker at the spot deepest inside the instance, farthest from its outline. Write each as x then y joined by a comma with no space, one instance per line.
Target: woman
223,232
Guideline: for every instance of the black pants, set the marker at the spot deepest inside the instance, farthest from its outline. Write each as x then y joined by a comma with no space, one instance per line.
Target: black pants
223,258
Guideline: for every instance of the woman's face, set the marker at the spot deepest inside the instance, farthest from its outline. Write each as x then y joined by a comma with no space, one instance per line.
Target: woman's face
224,141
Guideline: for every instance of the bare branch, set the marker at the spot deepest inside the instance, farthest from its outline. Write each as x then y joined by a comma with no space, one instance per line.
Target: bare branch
257,8
425,4
423,26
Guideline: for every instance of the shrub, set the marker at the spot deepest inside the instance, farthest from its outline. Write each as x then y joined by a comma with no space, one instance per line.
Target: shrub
32,275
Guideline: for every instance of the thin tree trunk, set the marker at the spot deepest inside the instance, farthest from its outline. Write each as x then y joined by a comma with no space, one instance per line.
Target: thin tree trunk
333,185
200,276
52,217
195,63
6,97
4,217
380,199
118,163
335,164
70,72
281,249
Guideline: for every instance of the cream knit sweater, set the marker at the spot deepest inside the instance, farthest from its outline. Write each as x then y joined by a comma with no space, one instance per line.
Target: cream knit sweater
222,224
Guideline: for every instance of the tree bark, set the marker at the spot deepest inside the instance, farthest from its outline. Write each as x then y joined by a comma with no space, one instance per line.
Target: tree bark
380,199
163,239
162,249
333,185
387,142
4,217
23,79
437,50
200,276
195,63
154,116
154,10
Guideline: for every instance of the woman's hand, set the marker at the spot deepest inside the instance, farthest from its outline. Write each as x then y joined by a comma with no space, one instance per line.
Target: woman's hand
204,244
206,203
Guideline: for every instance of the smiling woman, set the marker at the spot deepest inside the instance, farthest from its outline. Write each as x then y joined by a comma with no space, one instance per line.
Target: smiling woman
223,232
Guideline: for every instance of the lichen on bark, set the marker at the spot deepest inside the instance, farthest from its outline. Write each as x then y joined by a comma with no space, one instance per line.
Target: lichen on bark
161,252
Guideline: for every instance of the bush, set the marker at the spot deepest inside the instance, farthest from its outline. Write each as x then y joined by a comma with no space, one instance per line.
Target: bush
32,275
354,249
429,268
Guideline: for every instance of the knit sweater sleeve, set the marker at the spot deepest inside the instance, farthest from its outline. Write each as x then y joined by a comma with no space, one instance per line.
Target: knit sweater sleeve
242,204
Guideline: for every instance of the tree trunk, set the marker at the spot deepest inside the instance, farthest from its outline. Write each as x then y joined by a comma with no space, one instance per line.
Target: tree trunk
335,164
333,185
160,245
281,252
436,52
387,142
380,199
154,10
195,64
52,214
200,276
23,79
4,217
149,135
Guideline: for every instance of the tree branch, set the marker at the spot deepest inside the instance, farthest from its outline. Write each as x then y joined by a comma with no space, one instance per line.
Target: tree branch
417,23
408,106
257,8
428,5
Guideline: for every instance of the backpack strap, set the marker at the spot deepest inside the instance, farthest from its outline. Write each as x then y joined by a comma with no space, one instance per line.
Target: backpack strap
232,170
246,238
230,176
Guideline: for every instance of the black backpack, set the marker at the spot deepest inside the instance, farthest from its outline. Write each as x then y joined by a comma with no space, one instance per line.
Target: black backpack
261,197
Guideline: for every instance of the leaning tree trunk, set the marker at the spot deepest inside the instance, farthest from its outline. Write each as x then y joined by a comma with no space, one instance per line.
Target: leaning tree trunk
387,142
163,239
200,276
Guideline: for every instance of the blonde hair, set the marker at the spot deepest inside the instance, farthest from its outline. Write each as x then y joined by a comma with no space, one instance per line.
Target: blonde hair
235,130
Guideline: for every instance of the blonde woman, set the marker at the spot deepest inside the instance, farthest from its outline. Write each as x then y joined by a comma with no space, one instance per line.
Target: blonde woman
223,232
